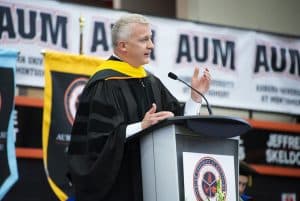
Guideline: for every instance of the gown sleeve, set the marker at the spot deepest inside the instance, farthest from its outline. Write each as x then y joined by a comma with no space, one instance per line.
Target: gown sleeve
97,143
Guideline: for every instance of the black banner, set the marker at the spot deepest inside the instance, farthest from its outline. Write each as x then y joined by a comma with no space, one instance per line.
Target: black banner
270,147
6,106
66,91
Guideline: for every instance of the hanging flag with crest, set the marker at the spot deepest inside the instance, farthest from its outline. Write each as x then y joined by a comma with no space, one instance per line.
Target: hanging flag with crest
65,78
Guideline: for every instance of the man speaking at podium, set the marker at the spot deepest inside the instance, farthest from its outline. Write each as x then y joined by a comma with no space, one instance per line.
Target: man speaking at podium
118,101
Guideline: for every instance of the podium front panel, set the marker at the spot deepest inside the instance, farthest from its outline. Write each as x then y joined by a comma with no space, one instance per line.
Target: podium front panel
219,148
162,160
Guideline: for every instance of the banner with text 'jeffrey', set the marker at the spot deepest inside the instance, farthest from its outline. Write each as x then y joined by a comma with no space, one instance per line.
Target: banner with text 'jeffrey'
66,76
8,163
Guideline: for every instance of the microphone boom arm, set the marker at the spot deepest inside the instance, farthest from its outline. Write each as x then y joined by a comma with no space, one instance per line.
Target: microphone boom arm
174,77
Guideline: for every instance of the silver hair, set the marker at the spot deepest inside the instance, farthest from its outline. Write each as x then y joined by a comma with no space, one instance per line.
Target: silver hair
121,29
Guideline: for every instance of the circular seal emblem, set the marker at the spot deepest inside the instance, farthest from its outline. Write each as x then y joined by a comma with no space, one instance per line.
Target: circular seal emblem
206,174
71,97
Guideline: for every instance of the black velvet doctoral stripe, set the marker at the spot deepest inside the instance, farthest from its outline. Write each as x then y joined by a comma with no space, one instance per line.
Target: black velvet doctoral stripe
96,125
96,144
103,108
82,118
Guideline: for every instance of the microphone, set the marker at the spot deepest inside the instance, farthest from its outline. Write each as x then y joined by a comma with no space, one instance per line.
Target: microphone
175,77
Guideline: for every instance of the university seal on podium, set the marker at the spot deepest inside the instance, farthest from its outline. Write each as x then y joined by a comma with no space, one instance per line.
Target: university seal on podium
206,174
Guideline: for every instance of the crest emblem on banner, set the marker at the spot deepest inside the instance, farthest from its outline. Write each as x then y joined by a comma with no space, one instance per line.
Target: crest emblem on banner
72,96
206,174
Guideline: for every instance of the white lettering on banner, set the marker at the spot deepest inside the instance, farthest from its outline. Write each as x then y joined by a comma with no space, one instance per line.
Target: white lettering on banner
283,157
63,138
16,128
3,136
283,149
284,141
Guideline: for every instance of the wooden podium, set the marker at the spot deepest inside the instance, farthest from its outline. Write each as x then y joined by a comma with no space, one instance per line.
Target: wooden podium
164,146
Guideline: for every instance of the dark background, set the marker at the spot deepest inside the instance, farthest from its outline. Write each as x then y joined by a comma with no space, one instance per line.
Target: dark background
33,186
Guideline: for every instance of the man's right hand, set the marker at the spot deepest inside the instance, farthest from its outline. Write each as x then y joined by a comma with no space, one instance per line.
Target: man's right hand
152,117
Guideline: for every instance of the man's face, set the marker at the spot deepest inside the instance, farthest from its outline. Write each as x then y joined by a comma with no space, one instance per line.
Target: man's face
243,181
139,45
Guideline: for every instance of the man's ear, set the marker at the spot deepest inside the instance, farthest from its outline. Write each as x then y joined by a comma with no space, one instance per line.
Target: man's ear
122,45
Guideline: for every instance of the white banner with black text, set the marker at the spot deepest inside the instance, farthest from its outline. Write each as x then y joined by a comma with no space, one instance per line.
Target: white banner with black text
250,70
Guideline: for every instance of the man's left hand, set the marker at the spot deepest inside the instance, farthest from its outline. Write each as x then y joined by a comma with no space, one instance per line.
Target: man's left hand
202,84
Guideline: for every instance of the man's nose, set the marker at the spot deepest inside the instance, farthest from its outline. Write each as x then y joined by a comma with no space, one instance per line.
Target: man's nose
150,44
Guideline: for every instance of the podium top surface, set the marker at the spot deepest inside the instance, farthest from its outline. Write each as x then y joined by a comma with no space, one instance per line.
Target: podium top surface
211,126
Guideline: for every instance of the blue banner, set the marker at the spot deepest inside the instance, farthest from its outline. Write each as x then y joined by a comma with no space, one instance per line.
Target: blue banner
8,163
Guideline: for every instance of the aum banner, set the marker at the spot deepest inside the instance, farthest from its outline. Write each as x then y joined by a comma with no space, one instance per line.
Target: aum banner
250,69
65,76
8,163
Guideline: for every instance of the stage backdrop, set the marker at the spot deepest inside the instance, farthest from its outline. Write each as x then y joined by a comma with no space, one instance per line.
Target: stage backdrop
8,163
251,70
66,76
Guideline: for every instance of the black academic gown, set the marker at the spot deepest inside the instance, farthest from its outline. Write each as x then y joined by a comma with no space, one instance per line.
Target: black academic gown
103,165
